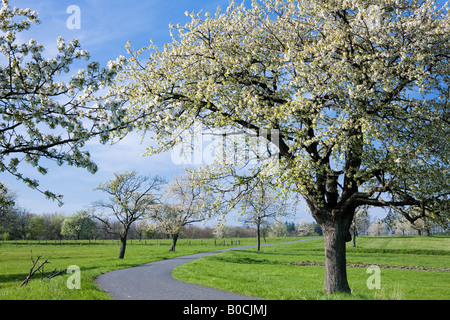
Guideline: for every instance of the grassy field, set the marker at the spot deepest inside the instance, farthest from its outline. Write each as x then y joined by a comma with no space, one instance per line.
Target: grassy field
93,260
294,271
273,273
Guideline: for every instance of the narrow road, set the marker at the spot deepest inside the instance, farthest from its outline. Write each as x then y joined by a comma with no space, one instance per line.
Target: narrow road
153,281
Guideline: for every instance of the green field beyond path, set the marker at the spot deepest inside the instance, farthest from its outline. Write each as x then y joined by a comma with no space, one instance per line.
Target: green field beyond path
410,268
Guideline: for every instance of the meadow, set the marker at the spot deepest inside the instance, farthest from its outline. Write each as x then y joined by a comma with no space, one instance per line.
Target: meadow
93,258
287,272
411,268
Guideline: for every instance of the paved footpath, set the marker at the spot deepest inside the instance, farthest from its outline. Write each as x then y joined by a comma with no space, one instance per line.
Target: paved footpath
153,281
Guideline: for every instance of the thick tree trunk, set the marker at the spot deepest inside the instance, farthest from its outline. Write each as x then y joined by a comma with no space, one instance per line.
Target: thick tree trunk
336,234
123,246
174,242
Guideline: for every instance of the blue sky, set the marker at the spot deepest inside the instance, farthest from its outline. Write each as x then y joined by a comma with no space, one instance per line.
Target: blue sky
106,26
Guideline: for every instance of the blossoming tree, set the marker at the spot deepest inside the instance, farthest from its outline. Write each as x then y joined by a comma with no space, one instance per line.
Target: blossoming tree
357,92
183,203
45,113
131,198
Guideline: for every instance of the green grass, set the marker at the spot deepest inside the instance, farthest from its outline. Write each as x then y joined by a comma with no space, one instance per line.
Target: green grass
272,273
93,260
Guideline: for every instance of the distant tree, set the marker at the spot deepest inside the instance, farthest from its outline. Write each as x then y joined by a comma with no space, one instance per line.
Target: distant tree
184,203
196,232
8,211
154,231
378,227
305,229
402,226
131,198
360,223
37,228
139,228
53,224
261,206
222,230
170,221
420,221
290,227
278,229
80,225
7,201
23,223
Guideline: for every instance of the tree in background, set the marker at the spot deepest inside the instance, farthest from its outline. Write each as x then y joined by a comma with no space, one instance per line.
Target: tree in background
184,202
7,200
131,198
261,206
399,225
222,230
43,113
305,229
378,227
360,223
80,225
353,94
278,228
21,223
290,227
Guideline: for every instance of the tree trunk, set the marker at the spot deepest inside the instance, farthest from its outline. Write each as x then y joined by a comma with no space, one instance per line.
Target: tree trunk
354,236
123,246
336,234
258,235
174,242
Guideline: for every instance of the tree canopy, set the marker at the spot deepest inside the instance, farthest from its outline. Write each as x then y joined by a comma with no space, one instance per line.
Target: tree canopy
184,203
44,112
357,93
131,197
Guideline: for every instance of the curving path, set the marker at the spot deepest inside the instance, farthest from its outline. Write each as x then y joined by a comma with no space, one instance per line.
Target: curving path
153,281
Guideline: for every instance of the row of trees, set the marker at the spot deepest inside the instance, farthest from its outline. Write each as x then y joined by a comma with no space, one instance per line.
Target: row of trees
19,223
342,103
